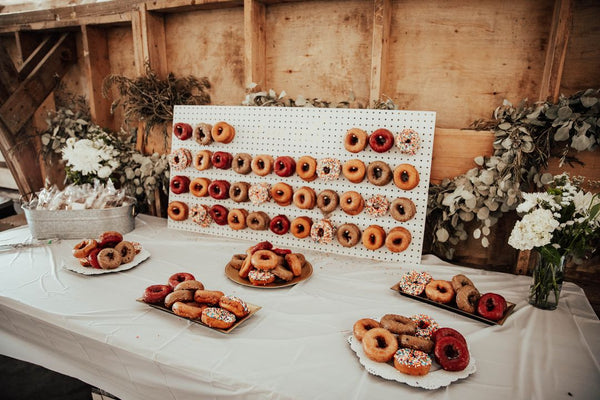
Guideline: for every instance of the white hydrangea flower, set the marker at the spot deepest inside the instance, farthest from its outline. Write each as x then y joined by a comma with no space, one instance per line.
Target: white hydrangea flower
534,230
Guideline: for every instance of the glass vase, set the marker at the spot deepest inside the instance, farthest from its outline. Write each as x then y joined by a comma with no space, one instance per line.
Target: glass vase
548,273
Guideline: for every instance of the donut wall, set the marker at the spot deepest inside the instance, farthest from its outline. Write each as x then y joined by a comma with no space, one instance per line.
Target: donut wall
319,133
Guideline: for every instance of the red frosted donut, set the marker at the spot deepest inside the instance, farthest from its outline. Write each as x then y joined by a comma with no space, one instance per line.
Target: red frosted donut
219,189
451,353
280,225
219,214
92,258
156,294
284,166
221,159
491,306
440,333
179,277
180,184
182,131
381,140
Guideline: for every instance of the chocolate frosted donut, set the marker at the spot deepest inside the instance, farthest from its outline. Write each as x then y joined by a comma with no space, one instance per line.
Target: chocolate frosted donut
238,192
402,209
242,163
379,173
258,221
348,235
327,201
202,133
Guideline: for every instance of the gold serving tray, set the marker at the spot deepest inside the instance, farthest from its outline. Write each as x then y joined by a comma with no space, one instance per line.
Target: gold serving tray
234,275
453,308
251,308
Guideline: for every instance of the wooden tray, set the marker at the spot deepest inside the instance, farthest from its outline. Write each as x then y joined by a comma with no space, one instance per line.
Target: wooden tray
233,274
453,308
251,308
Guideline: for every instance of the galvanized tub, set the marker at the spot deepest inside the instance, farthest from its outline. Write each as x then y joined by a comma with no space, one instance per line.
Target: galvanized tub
80,224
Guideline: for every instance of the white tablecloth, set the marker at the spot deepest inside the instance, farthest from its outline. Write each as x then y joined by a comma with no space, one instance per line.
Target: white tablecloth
295,347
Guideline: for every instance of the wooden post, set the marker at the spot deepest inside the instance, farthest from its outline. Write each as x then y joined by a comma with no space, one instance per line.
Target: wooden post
255,69
382,19
149,41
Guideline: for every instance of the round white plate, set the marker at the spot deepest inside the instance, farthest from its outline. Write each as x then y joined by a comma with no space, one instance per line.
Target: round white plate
73,265
436,378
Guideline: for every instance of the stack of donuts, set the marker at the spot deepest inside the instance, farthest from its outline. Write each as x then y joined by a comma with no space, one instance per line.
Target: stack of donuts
409,342
187,297
459,292
263,264
108,251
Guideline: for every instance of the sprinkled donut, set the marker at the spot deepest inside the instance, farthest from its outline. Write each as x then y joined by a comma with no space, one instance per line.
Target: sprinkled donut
217,318
200,215
259,277
379,173
412,362
406,177
403,209
202,134
202,160
348,235
414,282
377,206
300,227
408,141
354,170
242,163
199,187
177,210
306,168
398,239
328,168
259,193
355,140
180,159
322,231
238,192
258,221
234,305
426,325
373,237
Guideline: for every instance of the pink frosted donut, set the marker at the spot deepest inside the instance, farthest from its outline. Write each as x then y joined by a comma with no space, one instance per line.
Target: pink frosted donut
377,206
180,159
414,282
259,193
408,141
322,231
426,325
200,215
328,169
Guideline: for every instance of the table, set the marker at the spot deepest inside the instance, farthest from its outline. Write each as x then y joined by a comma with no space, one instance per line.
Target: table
295,347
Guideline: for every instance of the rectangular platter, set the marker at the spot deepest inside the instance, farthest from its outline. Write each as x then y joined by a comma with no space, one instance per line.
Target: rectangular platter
251,308
452,307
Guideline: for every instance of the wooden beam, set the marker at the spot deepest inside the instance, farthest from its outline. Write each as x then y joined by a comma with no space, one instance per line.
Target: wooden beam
9,76
382,20
560,29
36,56
255,55
149,41
188,5
26,42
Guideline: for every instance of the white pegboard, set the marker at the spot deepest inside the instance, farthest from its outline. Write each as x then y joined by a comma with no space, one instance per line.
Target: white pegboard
320,133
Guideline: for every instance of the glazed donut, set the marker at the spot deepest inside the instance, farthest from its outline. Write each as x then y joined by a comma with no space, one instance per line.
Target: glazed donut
234,305
458,281
362,326
126,251
219,214
328,169
242,163
282,273
258,221
403,209
180,184
237,260
381,140
259,193
177,210
280,225
322,231
354,170
306,168
156,294
200,215
379,173
236,219
327,201
259,277
412,362
182,131
348,235
199,187
406,177
295,261
221,160
262,165
451,354
355,140
467,298
284,166
377,206
179,277
426,326
352,203
109,258
264,259
219,189
440,291
300,227
305,198
187,310
414,282
373,237
398,324
379,344
416,343
222,132
408,141
83,248
246,266
184,296
203,296
180,159
238,192
190,284
218,318
202,134
398,239
202,160
282,194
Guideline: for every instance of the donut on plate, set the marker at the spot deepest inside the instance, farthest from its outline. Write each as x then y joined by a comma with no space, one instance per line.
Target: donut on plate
379,344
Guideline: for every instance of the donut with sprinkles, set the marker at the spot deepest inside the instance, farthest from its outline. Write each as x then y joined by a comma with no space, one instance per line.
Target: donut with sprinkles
408,141
412,362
